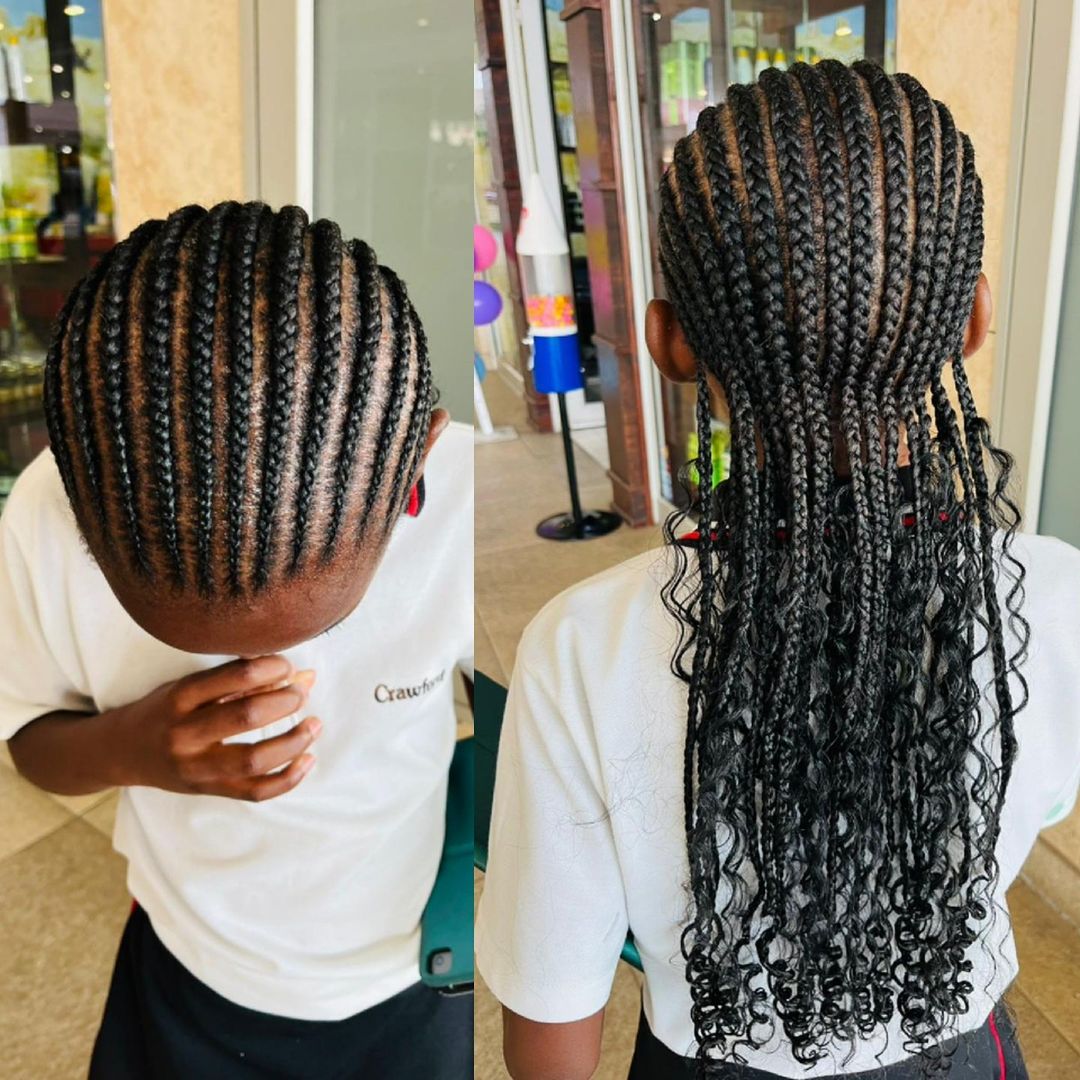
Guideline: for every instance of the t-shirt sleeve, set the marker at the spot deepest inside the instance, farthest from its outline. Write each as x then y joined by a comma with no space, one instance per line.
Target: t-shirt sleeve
552,917
32,680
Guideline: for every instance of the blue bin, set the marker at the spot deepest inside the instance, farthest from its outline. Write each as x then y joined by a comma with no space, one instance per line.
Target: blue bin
557,363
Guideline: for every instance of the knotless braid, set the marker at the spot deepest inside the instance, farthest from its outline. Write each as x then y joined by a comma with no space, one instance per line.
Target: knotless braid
821,238
199,492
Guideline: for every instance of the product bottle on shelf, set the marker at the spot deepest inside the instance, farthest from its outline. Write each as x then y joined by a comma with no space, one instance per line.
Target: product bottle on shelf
780,60
761,62
744,66
14,69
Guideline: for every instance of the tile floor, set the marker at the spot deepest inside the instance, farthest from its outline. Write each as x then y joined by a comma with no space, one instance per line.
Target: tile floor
63,903
518,483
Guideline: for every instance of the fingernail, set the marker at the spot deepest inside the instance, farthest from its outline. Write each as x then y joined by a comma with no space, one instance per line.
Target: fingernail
315,727
304,679
308,765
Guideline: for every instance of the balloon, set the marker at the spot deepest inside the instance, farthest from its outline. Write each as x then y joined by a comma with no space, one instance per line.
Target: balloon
484,248
487,303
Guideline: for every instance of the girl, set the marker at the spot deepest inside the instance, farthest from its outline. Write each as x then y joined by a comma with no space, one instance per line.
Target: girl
242,423
796,755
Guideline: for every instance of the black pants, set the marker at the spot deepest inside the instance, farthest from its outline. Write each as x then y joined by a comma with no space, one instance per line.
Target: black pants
977,1056
161,1023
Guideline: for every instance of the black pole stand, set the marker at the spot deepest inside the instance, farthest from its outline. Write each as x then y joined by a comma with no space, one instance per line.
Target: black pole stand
575,525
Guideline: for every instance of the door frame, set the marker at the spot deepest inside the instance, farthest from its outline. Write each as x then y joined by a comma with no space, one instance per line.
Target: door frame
278,69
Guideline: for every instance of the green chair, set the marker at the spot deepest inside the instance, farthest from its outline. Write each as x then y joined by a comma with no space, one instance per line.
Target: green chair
489,704
446,927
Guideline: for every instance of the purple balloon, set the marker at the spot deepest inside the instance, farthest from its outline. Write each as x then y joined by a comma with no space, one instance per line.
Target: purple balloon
487,303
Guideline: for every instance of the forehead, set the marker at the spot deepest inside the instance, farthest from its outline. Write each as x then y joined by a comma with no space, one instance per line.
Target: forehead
276,619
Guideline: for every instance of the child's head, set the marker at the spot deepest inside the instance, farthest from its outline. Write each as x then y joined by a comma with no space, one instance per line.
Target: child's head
821,237
239,403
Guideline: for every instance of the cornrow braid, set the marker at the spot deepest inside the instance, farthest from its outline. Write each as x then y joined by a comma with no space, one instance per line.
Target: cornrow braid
821,238
303,405
368,302
113,347
324,378
201,348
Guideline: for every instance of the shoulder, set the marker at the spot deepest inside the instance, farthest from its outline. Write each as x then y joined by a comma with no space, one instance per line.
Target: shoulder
1051,571
38,503
607,617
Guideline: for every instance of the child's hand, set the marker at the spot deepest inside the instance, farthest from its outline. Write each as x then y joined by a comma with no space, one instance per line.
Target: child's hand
176,733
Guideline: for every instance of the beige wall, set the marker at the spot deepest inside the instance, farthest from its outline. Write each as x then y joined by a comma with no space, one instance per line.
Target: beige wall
177,105
964,53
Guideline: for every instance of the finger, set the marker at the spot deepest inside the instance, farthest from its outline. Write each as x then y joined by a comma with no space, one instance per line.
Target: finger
243,760
237,676
270,787
304,679
215,723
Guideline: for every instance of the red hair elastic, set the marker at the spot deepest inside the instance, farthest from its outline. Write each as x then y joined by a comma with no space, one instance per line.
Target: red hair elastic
416,499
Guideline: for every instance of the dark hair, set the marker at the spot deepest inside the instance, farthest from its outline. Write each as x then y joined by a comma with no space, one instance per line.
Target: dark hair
234,394
821,236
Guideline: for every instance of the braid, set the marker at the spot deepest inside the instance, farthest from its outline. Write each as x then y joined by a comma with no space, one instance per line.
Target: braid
113,349
218,407
201,346
284,304
86,477
160,299
368,335
52,397
327,255
820,234
253,222
397,306
419,417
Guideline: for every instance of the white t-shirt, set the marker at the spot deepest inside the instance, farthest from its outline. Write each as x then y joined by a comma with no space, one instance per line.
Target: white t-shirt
306,905
587,836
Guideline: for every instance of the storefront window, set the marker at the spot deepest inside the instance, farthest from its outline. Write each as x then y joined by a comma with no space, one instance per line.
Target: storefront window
687,55
56,187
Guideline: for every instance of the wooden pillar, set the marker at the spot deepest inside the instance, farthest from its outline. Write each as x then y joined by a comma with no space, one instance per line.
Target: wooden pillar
588,45
492,64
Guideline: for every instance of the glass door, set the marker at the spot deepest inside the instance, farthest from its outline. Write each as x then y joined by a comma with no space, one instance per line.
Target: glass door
393,158
688,53
1059,513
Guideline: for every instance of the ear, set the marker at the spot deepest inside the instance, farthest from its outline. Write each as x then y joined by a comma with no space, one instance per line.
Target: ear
979,323
667,343
439,419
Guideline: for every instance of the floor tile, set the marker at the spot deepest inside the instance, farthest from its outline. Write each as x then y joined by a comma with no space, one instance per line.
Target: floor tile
1047,1054
487,659
79,804
26,813
64,904
1049,952
593,441
1055,879
103,816
1064,838
512,586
